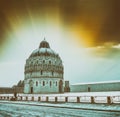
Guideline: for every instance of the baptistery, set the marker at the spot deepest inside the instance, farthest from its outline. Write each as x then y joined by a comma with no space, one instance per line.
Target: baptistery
43,71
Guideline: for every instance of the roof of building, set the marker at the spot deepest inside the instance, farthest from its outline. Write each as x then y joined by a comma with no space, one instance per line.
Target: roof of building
102,82
44,49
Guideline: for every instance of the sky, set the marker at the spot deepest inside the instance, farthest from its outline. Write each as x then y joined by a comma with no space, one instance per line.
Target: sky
85,33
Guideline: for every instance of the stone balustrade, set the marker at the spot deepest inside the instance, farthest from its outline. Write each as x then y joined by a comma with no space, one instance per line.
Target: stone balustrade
66,99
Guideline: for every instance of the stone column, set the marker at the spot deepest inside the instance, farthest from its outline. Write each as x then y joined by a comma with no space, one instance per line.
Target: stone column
55,99
39,98
47,99
78,99
92,100
108,100
66,99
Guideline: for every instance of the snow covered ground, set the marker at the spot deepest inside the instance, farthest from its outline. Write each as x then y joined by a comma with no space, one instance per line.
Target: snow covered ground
38,109
112,107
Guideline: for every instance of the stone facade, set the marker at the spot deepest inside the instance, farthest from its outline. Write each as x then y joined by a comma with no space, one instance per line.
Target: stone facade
44,71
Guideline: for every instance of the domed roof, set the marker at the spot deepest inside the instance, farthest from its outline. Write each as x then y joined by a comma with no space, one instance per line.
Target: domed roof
44,60
44,44
44,49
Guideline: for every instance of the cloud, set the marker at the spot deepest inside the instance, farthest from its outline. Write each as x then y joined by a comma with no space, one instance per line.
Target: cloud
97,21
108,51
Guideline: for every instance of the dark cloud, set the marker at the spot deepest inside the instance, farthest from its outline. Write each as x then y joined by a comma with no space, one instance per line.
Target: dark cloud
4,28
110,30
99,18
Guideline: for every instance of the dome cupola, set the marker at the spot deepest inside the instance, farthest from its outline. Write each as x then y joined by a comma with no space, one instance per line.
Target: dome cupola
44,44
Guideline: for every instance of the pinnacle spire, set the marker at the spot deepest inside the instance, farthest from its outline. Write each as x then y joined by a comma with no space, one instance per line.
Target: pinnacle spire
44,39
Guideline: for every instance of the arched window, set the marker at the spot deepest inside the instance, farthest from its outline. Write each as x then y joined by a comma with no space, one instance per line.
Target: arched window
50,83
52,73
43,83
36,83
37,62
49,62
43,61
41,72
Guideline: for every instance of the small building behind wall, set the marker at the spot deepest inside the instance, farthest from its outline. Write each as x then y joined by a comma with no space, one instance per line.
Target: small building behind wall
96,86
10,90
